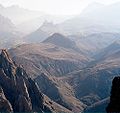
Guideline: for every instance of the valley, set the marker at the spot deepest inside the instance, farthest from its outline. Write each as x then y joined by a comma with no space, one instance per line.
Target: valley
59,63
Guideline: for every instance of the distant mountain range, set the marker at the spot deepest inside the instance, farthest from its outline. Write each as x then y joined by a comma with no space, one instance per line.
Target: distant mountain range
9,35
73,62
28,20
19,15
95,18
62,41
89,21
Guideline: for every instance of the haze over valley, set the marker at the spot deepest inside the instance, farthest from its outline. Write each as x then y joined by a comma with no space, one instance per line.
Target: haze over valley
59,60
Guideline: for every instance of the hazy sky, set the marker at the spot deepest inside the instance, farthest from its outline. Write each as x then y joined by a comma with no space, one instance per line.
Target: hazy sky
63,7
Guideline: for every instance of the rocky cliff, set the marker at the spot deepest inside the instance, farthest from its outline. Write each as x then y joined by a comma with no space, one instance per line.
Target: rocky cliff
114,105
18,92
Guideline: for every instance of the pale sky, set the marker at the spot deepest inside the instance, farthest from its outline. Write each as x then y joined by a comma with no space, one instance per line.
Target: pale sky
57,7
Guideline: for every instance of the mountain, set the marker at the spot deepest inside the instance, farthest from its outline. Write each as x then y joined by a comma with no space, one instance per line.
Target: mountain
63,93
43,32
98,107
70,74
46,64
52,28
91,21
25,96
18,14
88,22
93,43
55,70
9,35
108,11
113,106
41,21
109,56
49,58
97,76
62,41
92,83
27,20
7,25
36,36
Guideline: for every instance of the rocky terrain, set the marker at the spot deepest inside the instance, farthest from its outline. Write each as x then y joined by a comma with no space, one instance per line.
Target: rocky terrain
19,93
77,80
98,106
59,65
62,41
92,43
113,106
48,58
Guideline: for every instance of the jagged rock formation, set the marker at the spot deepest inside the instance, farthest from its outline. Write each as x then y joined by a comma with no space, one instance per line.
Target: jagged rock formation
5,105
114,105
18,93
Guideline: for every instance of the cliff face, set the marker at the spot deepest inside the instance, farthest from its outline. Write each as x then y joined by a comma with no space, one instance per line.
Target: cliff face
114,105
18,92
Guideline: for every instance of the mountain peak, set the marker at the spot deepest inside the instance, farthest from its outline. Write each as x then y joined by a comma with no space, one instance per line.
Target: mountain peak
6,64
57,35
47,24
5,55
60,40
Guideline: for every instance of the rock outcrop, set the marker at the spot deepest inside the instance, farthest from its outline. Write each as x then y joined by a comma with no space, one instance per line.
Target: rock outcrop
18,92
114,105
5,105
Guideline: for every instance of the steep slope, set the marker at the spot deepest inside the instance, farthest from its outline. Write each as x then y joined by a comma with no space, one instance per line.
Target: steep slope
63,93
98,107
90,21
92,84
114,104
93,22
19,93
62,41
46,63
48,58
9,35
7,25
93,43
36,36
109,57
51,28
